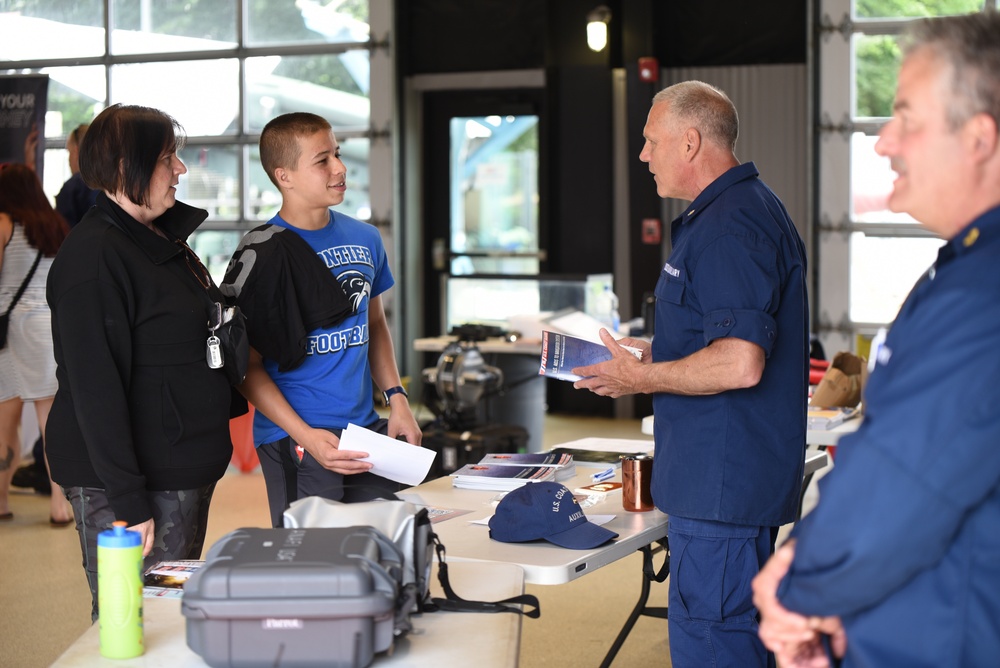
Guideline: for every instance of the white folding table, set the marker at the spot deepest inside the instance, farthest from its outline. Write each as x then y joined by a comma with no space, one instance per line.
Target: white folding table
439,638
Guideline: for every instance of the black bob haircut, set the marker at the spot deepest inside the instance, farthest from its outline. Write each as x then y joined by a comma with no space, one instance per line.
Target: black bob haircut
122,146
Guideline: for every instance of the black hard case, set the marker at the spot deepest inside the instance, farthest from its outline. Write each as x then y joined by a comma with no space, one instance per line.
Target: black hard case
294,597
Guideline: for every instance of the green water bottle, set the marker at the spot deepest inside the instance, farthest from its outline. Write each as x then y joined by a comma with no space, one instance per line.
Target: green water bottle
119,591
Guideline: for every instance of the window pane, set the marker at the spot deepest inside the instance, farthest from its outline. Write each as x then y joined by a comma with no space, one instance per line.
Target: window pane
883,269
489,301
876,64
56,172
215,247
212,180
203,95
888,9
871,184
164,27
76,95
52,29
494,193
357,202
307,21
264,199
333,86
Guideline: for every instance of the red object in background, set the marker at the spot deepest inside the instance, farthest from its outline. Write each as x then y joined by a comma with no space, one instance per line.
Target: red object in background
651,230
649,69
816,370
241,431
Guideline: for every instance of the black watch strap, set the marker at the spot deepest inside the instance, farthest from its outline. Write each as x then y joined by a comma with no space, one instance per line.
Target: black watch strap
391,391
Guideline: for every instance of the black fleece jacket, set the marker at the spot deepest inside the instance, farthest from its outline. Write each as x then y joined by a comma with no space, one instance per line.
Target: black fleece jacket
137,409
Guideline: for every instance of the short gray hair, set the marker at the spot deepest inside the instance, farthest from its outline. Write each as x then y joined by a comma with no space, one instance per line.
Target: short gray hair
969,45
706,107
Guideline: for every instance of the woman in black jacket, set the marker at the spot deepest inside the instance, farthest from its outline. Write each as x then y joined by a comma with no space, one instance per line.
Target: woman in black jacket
139,430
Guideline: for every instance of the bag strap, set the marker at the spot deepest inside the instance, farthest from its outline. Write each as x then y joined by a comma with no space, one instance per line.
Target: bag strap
24,283
289,470
455,603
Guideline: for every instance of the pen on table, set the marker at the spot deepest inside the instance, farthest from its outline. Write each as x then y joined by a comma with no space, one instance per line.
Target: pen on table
601,476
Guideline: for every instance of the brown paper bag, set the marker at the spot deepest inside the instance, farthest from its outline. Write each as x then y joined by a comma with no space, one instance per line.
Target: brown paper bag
843,383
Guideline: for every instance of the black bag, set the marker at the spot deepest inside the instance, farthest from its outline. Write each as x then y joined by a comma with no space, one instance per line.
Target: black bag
230,326
5,319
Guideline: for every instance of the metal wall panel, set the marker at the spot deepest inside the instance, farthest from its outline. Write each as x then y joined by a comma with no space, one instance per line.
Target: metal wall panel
772,102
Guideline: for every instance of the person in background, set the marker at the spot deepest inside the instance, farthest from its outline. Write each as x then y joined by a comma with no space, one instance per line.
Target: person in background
899,563
139,429
727,369
29,228
314,357
76,197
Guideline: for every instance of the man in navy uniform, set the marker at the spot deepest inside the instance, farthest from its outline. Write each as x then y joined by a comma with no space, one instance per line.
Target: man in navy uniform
899,564
728,371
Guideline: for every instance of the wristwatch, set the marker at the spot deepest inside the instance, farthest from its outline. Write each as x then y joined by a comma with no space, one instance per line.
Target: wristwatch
391,391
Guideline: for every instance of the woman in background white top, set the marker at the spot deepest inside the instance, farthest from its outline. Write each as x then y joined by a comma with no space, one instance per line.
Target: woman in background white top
28,225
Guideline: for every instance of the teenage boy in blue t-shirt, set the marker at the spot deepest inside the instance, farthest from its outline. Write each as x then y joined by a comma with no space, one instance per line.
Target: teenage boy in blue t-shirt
302,410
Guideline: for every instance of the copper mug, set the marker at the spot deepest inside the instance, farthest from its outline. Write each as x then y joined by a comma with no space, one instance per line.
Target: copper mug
637,471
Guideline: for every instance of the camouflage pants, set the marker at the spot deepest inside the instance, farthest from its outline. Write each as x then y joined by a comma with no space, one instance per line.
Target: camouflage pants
180,518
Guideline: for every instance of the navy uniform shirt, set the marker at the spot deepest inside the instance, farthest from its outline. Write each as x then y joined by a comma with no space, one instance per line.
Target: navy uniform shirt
737,269
905,542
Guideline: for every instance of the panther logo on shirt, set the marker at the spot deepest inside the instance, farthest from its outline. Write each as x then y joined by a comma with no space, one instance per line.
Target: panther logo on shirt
356,287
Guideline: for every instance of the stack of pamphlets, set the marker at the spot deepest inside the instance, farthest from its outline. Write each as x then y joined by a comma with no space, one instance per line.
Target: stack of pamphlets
822,418
504,472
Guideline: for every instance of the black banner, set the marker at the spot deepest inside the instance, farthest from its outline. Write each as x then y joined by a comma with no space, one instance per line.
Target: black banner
23,101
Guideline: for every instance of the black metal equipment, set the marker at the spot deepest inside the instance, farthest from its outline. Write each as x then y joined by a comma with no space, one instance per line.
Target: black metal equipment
454,390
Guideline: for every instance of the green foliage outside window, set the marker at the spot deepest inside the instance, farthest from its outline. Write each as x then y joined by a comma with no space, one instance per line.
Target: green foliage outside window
870,9
877,57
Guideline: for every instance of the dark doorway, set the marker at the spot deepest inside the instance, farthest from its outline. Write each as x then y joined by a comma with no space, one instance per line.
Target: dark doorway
483,184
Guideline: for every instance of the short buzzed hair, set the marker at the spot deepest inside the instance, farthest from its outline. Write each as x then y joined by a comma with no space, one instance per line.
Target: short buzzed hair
278,141
969,45
706,107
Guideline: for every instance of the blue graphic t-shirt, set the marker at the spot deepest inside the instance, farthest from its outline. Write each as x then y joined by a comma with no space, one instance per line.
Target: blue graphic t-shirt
333,387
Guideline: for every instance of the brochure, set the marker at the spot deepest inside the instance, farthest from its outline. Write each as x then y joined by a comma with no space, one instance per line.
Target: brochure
561,353
563,463
165,579
603,451
500,477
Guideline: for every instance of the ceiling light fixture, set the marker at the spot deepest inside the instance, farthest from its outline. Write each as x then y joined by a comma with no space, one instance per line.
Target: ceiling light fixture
597,27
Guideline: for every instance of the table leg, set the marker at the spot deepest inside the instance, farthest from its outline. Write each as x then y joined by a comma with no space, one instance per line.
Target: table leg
805,485
648,576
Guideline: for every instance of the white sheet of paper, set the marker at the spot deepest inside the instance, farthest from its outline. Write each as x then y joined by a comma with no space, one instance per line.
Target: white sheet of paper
580,325
391,459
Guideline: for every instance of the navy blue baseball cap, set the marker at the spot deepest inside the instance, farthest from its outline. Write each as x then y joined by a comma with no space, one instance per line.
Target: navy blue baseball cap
545,510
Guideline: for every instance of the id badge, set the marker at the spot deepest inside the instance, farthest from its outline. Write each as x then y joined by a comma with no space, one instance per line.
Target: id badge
213,352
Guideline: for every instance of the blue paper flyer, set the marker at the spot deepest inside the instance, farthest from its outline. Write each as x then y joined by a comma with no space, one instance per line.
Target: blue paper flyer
561,353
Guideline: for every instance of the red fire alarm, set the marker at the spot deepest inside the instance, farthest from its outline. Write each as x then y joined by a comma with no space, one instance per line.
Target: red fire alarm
649,69
650,230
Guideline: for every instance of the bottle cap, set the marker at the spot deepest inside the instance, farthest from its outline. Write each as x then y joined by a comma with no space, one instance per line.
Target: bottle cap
119,536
